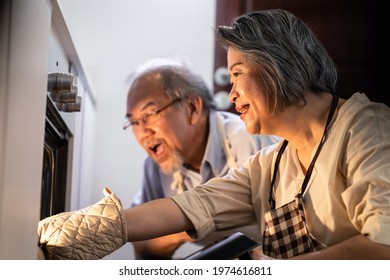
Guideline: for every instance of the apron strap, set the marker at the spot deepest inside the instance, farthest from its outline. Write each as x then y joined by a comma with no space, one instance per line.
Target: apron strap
311,167
276,167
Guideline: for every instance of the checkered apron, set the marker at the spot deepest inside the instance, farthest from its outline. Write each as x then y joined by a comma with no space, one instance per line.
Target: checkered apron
286,234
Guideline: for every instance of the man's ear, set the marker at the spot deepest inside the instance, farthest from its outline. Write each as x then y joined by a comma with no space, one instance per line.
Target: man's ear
195,106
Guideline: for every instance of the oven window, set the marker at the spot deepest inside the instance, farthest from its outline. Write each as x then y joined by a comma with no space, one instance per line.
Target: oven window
55,162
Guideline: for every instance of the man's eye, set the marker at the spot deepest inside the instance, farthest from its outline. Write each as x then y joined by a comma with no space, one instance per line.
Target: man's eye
135,122
147,116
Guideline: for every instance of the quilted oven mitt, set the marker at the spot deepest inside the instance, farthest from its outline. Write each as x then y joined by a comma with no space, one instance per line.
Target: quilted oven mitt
86,234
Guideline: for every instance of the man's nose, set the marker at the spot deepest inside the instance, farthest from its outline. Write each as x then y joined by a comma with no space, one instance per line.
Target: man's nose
143,129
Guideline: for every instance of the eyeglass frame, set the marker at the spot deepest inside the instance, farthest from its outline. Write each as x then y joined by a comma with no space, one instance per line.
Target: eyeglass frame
144,118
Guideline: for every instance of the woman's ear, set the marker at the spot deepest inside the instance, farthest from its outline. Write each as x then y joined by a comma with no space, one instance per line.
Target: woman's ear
195,106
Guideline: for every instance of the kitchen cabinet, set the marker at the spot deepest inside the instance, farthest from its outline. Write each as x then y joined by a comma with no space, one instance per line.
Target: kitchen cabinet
351,31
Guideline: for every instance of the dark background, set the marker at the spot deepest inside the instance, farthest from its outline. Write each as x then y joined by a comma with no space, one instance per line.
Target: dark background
354,32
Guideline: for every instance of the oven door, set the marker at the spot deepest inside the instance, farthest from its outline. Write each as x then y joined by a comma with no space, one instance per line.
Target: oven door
55,163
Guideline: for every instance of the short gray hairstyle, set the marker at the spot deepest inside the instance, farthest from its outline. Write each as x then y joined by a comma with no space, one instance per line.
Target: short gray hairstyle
178,80
287,55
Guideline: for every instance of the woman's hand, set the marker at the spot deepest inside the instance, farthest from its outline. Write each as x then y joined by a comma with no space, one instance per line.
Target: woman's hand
257,254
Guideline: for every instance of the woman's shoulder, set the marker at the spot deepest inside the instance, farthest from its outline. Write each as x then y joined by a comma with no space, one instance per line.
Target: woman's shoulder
359,110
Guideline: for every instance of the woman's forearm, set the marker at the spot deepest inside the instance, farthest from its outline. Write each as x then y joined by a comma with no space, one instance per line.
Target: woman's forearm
154,219
358,247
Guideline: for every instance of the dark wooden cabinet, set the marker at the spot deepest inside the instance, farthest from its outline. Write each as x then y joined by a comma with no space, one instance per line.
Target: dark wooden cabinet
352,31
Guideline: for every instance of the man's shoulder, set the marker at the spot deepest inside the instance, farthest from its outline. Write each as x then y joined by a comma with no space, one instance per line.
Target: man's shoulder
229,116
235,128
232,121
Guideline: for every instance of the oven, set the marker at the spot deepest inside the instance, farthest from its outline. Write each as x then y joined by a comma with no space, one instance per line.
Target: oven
62,97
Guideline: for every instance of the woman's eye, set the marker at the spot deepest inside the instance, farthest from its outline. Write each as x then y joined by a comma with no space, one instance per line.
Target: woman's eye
234,75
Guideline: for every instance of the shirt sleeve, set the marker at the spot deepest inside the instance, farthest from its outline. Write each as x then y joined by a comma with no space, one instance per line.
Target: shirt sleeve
367,196
220,204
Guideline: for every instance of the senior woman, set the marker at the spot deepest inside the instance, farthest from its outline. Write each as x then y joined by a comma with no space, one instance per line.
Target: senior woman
323,192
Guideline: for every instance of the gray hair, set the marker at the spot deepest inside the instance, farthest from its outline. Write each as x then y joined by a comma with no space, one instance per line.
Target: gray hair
178,80
289,58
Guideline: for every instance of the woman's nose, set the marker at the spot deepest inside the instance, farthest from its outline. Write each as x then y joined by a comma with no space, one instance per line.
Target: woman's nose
233,95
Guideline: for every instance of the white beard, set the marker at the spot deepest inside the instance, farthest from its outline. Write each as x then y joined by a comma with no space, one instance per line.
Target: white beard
177,163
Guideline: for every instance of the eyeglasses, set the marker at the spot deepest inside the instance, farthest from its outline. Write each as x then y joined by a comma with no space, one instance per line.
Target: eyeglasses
149,117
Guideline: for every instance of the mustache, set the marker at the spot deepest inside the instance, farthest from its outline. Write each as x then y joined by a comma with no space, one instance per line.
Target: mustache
147,143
